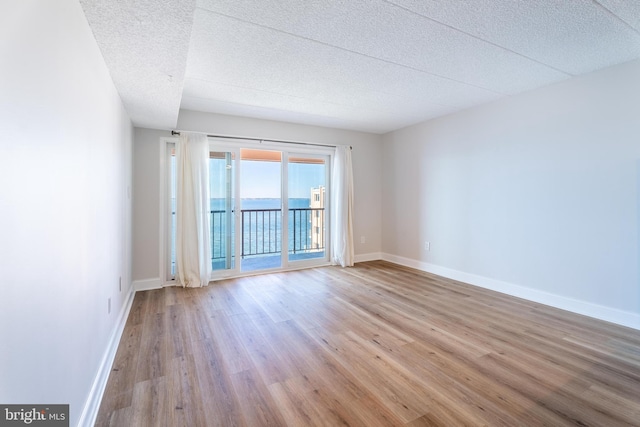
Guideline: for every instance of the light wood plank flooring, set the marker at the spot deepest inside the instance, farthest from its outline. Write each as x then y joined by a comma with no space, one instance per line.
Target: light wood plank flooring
374,345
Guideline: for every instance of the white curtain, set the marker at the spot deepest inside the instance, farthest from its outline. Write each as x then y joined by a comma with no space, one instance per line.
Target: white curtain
193,250
342,208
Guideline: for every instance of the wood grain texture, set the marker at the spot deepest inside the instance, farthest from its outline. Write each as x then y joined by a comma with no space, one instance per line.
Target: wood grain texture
373,345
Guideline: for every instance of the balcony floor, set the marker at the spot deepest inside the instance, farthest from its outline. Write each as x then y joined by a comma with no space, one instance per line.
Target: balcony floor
264,262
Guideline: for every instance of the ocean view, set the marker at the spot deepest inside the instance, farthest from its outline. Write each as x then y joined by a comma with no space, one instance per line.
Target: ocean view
261,224
217,204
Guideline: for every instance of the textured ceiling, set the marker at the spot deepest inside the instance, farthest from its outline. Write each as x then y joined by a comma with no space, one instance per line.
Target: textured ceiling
145,45
368,65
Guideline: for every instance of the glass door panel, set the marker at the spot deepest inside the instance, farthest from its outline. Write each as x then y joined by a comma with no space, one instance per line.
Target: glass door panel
222,204
261,212
307,216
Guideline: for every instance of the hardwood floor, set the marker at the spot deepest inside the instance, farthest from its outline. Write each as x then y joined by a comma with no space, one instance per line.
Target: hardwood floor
374,345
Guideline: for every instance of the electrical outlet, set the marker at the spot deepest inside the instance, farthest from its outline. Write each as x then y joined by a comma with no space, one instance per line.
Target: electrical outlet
109,306
120,283
427,246
363,239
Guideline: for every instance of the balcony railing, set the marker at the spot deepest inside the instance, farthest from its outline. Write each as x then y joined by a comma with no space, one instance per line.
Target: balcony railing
262,232
308,230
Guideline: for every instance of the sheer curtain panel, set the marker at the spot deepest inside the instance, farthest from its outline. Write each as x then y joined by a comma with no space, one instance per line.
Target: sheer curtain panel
342,208
193,250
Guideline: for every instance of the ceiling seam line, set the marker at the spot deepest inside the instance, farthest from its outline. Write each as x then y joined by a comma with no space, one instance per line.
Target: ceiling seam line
610,12
481,39
358,53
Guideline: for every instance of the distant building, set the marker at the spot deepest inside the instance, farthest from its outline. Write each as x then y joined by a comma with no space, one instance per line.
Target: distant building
317,217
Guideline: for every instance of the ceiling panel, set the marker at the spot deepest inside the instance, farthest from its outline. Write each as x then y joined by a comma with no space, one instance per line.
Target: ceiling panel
248,57
251,56
145,46
271,112
376,114
372,65
627,10
573,36
387,32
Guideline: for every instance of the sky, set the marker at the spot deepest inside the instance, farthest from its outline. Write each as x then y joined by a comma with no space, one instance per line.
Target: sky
262,179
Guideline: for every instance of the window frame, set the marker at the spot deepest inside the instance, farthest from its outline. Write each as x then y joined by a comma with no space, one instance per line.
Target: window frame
218,144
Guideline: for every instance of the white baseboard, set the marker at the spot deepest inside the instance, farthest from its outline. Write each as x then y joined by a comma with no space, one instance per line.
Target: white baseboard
374,256
147,284
624,318
92,405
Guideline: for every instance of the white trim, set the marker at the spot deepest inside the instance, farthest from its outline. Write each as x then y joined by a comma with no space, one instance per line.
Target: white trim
284,205
147,284
373,256
92,404
165,208
624,318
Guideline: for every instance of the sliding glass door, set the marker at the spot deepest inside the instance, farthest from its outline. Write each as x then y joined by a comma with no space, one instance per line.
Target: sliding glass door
307,196
269,208
261,213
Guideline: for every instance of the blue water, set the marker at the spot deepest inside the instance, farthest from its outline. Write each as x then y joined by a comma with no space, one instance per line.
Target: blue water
262,230
219,204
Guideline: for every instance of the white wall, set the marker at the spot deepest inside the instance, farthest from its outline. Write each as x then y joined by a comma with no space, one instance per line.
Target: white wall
536,195
366,166
146,204
65,228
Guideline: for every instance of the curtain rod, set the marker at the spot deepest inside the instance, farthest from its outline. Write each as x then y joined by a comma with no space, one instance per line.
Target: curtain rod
175,132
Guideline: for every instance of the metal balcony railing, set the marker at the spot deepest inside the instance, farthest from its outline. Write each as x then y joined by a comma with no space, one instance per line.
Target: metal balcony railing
262,232
306,226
